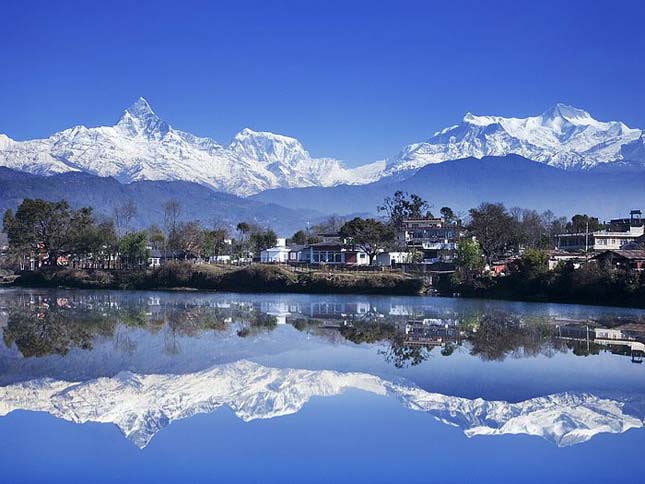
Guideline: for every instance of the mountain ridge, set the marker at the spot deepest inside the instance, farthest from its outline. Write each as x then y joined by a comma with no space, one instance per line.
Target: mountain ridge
465,183
142,146
104,194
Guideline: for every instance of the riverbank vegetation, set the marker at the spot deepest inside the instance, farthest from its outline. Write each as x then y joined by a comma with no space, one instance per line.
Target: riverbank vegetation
250,278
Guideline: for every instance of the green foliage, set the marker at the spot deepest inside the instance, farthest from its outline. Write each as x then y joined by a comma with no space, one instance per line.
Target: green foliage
300,237
494,228
372,236
47,230
448,215
263,240
584,223
469,256
133,247
402,206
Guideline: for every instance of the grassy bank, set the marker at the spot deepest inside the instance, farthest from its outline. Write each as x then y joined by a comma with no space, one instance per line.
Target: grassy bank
254,278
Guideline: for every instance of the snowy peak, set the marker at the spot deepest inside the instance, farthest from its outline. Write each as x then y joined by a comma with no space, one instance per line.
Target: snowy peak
569,113
563,136
268,147
142,405
140,120
142,146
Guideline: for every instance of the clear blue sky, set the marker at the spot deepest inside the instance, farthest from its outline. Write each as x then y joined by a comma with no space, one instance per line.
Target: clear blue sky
352,80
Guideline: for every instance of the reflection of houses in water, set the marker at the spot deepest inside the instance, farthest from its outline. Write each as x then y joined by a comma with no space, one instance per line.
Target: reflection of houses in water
626,340
338,310
432,332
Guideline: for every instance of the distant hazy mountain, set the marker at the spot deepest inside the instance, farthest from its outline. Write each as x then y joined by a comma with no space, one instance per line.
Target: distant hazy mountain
563,136
462,184
141,146
142,405
104,194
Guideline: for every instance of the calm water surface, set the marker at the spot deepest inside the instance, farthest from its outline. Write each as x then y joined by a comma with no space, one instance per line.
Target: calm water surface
197,387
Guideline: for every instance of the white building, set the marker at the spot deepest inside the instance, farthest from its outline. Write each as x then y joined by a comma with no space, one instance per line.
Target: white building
278,254
611,240
389,258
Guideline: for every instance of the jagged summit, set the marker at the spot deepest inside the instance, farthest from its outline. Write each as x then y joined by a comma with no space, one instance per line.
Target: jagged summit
142,146
562,136
565,111
140,119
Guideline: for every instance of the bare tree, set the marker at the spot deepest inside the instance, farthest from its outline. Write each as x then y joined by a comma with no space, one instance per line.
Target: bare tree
172,210
123,215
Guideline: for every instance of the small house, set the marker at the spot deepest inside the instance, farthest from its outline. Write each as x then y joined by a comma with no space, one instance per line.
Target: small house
627,259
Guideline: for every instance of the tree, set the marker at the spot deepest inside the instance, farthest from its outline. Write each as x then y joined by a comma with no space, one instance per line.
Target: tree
330,225
300,237
172,210
123,215
156,237
583,223
133,247
191,238
402,206
448,215
372,236
214,242
262,240
243,228
39,226
469,259
495,229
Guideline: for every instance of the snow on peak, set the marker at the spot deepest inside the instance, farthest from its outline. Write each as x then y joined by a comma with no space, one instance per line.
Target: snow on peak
140,120
268,147
570,113
142,146
563,136
142,405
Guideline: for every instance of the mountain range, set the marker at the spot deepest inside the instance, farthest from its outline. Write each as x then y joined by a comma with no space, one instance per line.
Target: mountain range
142,405
142,146
104,194
463,184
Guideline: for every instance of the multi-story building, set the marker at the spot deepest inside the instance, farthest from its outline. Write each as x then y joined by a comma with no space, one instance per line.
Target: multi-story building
618,234
434,238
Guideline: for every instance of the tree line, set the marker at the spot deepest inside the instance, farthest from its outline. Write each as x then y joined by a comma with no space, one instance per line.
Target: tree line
46,231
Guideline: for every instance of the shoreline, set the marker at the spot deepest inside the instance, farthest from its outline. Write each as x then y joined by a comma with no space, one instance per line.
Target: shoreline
257,278
269,279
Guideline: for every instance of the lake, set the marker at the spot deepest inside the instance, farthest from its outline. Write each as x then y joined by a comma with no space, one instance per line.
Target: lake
103,386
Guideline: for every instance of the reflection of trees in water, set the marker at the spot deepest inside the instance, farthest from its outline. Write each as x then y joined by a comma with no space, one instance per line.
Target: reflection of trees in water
402,354
46,325
257,323
501,335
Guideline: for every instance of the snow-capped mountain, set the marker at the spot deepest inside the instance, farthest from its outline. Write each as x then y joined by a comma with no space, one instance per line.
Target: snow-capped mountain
142,405
141,146
563,136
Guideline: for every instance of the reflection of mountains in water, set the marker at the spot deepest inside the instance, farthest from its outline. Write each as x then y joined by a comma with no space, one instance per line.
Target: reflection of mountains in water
141,405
